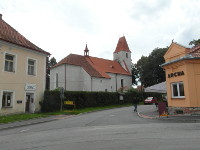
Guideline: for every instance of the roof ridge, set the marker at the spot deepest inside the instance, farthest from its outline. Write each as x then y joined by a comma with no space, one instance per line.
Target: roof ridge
180,45
11,35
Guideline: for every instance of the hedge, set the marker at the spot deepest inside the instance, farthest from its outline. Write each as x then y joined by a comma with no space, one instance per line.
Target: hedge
82,99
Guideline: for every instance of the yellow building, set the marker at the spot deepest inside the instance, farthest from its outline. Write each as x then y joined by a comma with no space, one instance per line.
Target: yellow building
22,72
182,67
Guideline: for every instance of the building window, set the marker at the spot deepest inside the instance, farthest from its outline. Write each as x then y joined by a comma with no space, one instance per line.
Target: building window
31,67
177,90
126,55
122,82
9,63
56,80
7,99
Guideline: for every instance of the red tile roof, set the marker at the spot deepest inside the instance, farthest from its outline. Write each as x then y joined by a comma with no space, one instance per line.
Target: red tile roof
195,51
122,45
95,67
9,34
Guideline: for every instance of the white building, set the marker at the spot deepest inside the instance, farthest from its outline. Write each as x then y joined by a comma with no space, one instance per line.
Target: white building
86,73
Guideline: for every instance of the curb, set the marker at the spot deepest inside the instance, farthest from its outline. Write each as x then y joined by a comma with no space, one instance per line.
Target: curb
25,124
147,117
168,117
32,122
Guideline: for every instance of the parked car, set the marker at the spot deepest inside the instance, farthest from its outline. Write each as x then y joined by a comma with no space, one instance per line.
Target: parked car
150,100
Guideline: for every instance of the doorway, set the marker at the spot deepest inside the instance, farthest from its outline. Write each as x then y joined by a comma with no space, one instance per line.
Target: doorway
29,103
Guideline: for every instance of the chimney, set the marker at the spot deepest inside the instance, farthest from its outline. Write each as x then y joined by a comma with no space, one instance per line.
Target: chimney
0,16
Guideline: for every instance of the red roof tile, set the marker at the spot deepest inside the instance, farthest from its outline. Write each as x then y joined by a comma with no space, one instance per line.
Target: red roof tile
9,34
122,45
95,67
195,51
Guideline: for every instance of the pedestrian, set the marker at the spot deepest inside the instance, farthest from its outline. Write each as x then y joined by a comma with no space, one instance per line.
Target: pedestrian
135,103
156,103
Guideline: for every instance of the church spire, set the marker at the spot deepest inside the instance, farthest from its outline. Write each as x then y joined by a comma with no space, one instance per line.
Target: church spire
122,45
86,51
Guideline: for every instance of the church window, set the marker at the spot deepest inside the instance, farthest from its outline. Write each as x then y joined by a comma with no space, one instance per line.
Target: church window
126,55
56,80
122,82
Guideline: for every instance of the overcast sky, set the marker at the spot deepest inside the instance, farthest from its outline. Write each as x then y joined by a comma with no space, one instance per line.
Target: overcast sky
62,27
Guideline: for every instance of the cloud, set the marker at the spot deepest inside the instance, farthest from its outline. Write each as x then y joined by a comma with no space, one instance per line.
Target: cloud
148,10
64,26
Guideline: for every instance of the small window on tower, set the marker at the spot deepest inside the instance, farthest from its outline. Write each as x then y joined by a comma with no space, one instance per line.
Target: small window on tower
126,55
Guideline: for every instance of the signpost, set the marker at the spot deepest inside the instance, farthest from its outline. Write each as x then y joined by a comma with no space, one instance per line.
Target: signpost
61,97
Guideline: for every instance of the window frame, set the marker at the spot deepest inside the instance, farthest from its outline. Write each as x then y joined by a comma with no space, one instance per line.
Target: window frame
11,99
13,61
34,67
178,89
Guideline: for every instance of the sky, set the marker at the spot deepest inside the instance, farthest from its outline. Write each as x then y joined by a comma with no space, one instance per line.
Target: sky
62,27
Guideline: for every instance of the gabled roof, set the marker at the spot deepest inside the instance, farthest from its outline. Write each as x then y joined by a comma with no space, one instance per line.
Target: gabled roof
9,34
95,67
175,49
122,45
192,53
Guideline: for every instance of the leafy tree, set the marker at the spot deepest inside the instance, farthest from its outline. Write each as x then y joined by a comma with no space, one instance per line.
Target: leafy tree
140,68
49,63
195,42
149,69
135,74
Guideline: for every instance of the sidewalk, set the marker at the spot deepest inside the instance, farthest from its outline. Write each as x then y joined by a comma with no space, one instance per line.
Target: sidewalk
32,121
154,114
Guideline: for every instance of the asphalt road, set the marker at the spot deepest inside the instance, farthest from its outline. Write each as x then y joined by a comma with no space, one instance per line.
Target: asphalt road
115,129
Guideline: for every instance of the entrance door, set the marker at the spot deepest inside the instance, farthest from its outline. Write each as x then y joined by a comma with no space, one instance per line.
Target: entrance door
30,106
28,100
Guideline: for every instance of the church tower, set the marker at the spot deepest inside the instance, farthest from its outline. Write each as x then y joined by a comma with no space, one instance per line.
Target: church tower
122,54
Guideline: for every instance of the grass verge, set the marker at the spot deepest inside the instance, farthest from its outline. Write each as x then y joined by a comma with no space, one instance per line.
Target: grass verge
20,117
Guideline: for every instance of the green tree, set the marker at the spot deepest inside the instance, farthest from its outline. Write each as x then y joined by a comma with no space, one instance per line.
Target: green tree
49,63
195,42
135,74
149,69
140,68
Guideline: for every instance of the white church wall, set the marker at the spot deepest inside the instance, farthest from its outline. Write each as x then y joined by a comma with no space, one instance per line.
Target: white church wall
127,81
74,78
60,71
86,81
101,84
123,55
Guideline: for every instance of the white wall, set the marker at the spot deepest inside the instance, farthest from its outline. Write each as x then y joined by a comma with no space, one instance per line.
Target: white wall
77,79
120,56
74,77
116,81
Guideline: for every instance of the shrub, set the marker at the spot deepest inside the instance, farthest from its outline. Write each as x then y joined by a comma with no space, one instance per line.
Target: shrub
82,99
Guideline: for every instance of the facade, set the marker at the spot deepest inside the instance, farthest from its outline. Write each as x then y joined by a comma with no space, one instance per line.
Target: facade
87,73
22,72
182,67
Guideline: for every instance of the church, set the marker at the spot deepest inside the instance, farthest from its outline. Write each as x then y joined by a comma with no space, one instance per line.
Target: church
87,73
